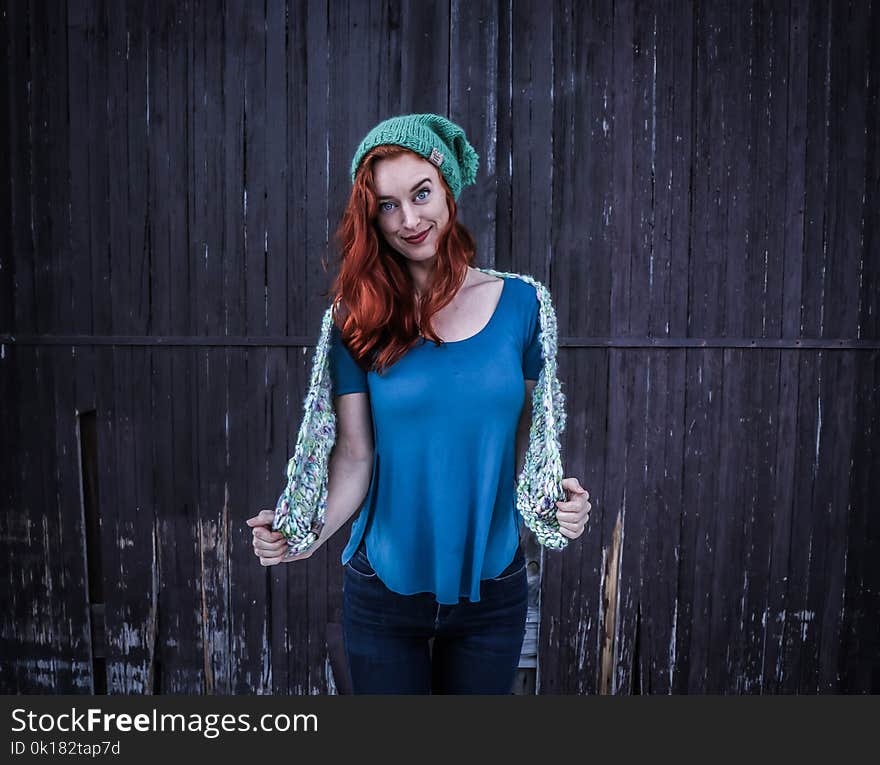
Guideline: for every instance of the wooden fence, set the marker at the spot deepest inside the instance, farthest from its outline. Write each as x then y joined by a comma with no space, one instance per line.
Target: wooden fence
698,184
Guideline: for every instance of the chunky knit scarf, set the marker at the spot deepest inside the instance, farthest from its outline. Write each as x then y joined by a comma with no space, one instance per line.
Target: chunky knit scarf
300,511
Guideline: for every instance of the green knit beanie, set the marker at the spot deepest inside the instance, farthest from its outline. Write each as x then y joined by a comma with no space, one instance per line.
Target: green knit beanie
431,136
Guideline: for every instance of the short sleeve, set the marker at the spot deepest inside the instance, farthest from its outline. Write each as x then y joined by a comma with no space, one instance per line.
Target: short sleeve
345,374
532,360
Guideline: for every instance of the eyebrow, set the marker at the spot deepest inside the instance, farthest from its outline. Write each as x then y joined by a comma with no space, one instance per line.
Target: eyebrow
424,180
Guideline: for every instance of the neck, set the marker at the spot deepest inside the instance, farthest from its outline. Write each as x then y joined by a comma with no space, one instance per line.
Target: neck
421,274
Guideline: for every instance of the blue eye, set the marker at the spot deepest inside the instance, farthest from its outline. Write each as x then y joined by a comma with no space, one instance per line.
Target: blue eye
423,191
382,207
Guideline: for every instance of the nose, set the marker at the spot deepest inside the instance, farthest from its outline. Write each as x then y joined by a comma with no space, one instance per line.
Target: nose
410,217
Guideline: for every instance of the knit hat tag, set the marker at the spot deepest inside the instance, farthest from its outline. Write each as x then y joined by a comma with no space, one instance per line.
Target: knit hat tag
436,157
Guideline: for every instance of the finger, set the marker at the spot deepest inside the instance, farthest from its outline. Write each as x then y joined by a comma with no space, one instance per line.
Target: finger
269,544
572,517
574,506
264,518
261,532
571,533
263,550
270,559
572,484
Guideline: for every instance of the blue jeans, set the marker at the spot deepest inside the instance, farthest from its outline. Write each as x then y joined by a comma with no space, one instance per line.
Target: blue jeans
476,646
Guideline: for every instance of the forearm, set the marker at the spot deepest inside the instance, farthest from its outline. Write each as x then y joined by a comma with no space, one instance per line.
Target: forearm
347,484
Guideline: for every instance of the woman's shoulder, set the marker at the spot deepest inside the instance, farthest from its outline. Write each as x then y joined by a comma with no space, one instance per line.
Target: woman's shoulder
520,292
523,289
521,283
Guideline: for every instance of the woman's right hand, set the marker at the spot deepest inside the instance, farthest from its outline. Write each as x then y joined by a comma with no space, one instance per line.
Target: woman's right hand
271,546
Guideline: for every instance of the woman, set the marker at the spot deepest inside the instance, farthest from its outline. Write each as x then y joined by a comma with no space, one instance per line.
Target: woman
433,365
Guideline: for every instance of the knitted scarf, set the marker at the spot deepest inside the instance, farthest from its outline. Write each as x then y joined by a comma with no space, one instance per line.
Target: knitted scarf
300,510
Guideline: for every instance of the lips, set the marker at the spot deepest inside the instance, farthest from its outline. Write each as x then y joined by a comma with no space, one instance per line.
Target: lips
417,239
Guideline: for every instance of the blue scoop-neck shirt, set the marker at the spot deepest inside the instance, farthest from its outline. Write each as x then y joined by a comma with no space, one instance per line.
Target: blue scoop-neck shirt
440,513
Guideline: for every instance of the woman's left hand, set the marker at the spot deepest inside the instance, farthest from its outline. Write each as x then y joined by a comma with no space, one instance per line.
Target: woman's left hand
574,513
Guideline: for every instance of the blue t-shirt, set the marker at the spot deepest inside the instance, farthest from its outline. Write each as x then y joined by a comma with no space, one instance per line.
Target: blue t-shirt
440,513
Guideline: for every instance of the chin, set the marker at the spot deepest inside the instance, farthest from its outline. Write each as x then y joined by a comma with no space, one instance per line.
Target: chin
417,253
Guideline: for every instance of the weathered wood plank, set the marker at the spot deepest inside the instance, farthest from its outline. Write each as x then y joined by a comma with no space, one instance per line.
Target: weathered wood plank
8,116
126,179
292,585
846,177
249,650
627,449
273,244
65,519
284,80
337,87
858,661
503,229
703,380
133,248
869,291
761,376
12,520
764,304
257,207
624,244
248,625
21,260
831,508
728,555
78,316
128,548
671,93
207,204
664,446
653,557
98,170
179,656
532,146
473,100
731,153
213,529
425,68
529,249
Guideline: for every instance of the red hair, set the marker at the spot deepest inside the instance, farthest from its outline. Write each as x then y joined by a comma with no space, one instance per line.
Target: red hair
374,293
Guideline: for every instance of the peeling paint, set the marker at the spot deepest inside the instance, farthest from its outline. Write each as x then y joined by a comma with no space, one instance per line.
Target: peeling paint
43,673
328,677
580,641
610,609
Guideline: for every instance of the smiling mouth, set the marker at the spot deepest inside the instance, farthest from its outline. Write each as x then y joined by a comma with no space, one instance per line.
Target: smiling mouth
417,239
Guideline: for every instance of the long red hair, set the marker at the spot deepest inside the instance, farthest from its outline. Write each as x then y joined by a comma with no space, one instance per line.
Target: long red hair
374,293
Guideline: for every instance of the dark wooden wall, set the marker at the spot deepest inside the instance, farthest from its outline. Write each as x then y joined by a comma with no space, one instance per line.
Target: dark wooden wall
698,183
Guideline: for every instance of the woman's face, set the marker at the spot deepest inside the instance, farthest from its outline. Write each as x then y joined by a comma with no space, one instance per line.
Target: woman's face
412,205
